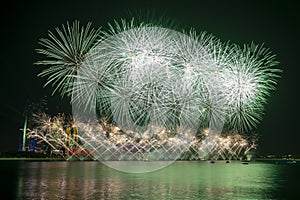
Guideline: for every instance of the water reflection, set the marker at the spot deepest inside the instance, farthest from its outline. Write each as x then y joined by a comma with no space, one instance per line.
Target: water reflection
181,180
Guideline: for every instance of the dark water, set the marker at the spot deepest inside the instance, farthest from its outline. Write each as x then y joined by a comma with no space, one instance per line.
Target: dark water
181,180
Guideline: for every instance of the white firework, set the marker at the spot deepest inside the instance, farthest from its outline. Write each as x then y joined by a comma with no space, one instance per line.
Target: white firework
161,87
153,76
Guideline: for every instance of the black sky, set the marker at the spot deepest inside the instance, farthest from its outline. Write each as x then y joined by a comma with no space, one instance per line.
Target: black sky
275,23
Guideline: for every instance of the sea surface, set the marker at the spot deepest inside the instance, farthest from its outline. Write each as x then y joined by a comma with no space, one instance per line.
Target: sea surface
180,180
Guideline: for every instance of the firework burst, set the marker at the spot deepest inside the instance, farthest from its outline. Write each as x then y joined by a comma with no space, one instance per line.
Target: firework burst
159,88
141,75
65,52
247,82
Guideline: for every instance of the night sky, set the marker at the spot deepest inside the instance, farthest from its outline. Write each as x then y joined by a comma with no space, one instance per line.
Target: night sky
276,24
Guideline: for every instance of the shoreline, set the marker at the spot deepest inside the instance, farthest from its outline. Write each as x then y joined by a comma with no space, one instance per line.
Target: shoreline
271,161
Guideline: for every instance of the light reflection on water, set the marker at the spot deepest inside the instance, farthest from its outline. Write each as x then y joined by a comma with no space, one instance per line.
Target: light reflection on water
181,180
